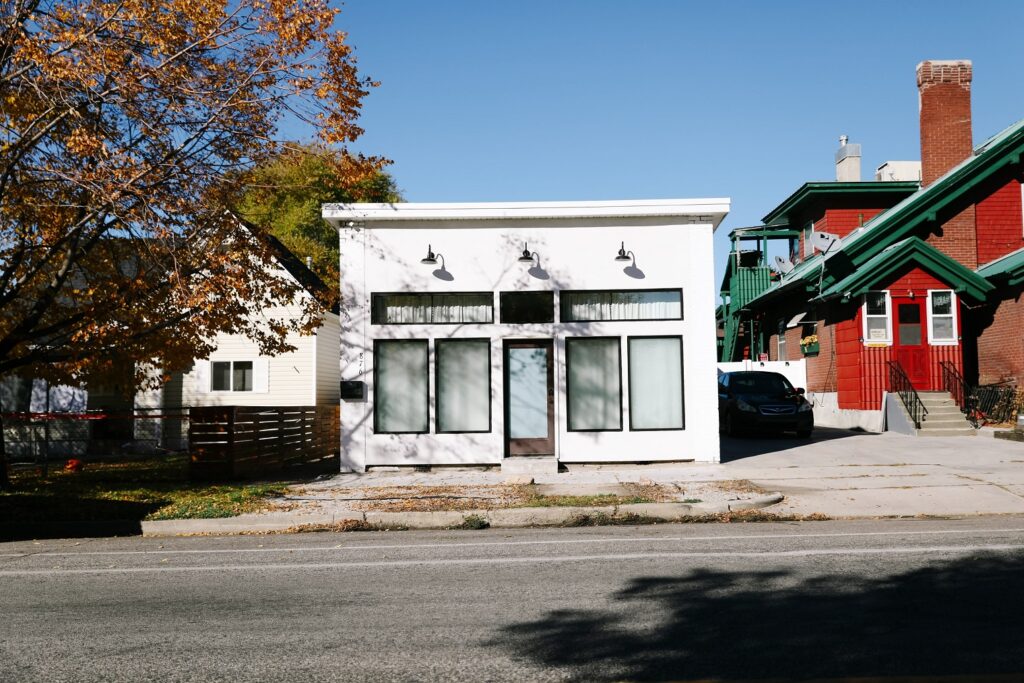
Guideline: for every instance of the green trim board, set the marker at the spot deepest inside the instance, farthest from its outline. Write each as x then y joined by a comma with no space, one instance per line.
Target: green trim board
808,193
1008,269
910,252
898,223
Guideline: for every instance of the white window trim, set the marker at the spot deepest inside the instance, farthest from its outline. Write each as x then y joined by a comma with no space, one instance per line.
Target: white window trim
954,305
260,368
888,319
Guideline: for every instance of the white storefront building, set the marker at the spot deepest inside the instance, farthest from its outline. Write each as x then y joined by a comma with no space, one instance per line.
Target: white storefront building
564,332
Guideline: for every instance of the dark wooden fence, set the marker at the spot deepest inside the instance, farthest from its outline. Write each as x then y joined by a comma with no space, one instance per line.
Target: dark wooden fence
239,442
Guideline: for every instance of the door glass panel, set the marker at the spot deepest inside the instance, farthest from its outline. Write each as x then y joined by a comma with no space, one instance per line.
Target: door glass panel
528,393
910,324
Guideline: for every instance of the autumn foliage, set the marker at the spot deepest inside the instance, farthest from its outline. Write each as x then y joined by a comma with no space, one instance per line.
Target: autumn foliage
127,127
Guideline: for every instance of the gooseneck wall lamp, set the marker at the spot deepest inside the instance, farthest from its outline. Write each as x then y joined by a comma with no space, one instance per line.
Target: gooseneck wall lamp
431,258
624,255
527,255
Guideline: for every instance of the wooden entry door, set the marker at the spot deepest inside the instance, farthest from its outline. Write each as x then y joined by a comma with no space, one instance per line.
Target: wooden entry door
911,341
529,372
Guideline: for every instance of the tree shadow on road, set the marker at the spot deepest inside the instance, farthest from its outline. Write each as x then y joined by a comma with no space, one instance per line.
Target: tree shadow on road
959,617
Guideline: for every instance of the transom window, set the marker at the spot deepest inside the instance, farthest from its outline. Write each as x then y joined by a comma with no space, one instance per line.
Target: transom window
877,317
231,375
448,308
942,316
527,307
629,304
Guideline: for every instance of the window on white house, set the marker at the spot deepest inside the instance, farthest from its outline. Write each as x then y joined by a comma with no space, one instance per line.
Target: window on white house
594,383
877,317
782,340
655,383
463,385
231,375
400,387
942,317
630,304
434,309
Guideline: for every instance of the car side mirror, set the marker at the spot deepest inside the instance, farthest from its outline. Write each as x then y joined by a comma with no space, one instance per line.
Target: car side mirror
800,391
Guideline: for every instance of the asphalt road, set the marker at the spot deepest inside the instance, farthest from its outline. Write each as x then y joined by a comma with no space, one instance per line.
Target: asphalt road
870,599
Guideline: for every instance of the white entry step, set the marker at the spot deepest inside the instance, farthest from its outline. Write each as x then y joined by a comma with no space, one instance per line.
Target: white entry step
529,464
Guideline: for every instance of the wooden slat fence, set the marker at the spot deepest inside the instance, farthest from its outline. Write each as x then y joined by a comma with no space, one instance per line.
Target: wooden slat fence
242,442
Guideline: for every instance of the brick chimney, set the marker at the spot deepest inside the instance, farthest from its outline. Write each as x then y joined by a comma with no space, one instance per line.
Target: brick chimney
944,87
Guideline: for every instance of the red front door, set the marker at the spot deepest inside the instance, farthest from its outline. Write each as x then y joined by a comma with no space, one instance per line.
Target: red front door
911,341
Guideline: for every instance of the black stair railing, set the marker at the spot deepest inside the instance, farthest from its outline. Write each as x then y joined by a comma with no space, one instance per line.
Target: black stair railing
965,397
899,383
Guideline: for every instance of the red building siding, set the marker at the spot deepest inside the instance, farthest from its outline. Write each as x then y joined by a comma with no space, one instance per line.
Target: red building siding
1001,345
863,371
844,221
999,223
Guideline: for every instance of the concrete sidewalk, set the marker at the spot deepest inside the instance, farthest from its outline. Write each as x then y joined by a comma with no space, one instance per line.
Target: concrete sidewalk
837,473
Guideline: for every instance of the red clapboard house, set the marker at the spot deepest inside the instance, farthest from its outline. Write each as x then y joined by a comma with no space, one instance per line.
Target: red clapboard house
920,295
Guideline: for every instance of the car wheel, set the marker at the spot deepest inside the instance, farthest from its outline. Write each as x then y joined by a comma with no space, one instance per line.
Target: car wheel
803,433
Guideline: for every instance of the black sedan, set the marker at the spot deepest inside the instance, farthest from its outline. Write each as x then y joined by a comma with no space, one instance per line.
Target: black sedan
759,402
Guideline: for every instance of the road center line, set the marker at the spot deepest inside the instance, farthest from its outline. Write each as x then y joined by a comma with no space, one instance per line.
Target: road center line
478,544
540,559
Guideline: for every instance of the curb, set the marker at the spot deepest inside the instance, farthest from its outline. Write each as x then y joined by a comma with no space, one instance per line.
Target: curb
506,518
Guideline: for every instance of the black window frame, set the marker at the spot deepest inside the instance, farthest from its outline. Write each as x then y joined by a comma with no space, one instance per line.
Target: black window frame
568,383
376,386
374,296
562,317
510,293
682,381
437,386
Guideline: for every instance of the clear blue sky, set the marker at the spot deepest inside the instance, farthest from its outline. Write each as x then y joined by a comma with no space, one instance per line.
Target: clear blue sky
586,99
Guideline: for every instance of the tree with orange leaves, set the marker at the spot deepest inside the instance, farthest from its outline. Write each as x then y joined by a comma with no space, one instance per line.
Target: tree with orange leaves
127,126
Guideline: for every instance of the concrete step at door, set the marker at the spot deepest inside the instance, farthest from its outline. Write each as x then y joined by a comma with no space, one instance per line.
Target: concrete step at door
959,431
945,412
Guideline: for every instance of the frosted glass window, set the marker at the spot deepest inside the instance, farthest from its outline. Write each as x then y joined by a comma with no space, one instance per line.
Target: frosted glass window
594,384
528,393
400,387
436,309
655,383
636,304
463,385
941,317
877,322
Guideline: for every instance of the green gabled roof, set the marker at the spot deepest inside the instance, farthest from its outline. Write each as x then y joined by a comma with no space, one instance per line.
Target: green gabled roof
895,258
898,223
809,193
1007,269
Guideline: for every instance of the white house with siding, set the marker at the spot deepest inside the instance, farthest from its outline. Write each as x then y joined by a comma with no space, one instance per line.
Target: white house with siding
546,332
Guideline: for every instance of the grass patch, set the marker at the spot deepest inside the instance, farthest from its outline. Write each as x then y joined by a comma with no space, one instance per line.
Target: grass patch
156,488
537,500
604,519
473,522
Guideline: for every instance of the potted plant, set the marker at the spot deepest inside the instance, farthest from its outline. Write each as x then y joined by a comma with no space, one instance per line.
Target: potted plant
809,345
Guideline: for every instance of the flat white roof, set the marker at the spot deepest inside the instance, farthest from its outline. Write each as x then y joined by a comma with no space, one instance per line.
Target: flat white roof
695,210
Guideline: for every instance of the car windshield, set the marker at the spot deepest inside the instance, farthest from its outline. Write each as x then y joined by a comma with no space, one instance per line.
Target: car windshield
760,383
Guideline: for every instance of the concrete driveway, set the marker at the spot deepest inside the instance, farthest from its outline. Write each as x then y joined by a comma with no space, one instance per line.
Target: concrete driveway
852,474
